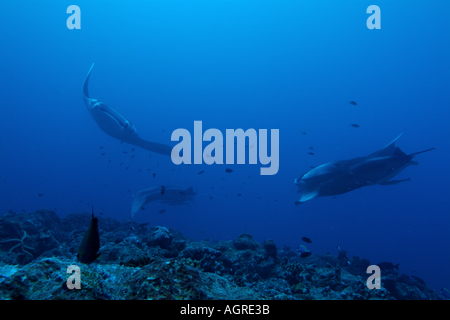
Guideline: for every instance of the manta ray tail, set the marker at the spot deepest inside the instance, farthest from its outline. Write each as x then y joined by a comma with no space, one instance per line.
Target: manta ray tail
86,83
154,147
413,154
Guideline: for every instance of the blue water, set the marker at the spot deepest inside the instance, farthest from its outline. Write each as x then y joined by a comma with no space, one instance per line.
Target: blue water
287,65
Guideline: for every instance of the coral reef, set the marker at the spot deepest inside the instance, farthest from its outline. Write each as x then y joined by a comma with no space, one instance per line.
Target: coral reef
139,261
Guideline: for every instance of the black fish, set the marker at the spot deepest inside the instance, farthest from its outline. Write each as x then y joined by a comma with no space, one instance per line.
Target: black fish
354,125
132,156
311,148
162,211
387,266
305,254
88,250
228,170
307,240
303,132
103,153
353,103
40,194
154,175
181,192
201,172
163,189
124,152
133,149
311,153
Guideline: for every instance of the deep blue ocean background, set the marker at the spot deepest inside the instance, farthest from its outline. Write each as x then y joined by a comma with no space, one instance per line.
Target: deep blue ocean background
287,65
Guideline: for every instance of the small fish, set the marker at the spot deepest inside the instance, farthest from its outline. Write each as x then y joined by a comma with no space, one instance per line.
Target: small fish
154,175
311,153
201,172
127,168
181,192
133,149
239,194
40,194
101,147
228,170
301,249
305,254
124,152
311,148
307,240
353,103
162,211
121,164
132,156
163,189
103,153
354,125
211,197
303,133
142,208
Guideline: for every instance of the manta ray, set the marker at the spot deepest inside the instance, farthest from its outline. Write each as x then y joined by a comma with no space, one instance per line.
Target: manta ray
116,125
333,178
167,194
